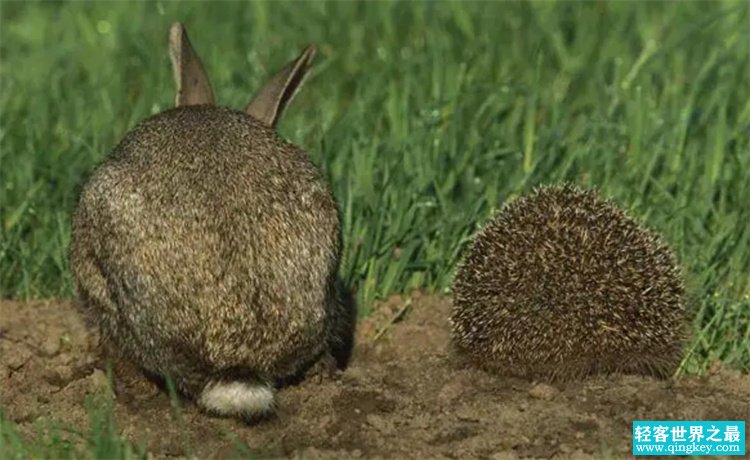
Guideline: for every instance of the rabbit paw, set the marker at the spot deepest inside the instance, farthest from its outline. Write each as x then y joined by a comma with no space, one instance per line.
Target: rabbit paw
129,383
324,369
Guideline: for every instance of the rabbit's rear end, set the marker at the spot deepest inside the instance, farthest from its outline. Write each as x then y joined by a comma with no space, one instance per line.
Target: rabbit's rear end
207,247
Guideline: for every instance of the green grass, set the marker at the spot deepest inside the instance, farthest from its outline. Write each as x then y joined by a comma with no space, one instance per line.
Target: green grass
101,440
425,117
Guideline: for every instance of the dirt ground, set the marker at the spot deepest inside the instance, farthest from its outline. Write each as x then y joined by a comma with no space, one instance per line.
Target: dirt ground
401,397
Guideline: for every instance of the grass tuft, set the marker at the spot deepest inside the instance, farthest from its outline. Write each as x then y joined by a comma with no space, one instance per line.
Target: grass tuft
50,439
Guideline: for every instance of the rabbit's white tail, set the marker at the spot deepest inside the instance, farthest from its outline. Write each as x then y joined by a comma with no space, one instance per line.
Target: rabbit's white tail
245,399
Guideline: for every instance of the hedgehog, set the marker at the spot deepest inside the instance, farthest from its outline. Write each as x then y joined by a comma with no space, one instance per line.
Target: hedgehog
562,284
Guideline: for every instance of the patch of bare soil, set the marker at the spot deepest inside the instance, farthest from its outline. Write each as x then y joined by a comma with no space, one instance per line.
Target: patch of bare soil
402,397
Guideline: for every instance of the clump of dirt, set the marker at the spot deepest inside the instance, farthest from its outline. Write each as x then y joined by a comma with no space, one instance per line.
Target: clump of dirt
403,396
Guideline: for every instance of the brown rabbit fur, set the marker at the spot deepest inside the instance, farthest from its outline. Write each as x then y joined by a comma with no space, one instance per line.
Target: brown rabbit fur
206,247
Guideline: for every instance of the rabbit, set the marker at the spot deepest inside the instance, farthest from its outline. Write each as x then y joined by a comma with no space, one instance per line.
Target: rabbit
206,248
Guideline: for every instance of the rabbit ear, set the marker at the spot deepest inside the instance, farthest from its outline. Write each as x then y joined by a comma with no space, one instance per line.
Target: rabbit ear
192,83
274,97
